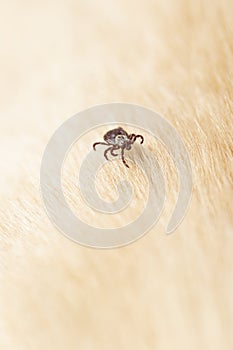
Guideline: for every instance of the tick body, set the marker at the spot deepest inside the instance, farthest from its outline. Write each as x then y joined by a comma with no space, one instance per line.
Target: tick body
118,139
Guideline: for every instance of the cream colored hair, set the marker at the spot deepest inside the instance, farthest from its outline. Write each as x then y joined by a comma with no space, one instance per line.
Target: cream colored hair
162,292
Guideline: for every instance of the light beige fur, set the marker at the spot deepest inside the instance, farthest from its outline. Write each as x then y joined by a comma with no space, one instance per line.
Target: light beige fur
162,292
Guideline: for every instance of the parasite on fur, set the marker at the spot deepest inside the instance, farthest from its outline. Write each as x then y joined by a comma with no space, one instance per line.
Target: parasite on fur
118,139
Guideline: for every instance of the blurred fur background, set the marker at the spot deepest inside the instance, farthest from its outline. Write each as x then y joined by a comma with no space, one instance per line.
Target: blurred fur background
161,292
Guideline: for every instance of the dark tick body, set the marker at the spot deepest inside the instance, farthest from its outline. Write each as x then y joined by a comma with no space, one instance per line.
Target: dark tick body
118,139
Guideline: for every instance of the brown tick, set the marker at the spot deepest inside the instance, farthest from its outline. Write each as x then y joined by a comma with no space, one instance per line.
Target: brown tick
118,139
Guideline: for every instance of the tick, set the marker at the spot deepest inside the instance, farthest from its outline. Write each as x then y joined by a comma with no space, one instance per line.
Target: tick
118,139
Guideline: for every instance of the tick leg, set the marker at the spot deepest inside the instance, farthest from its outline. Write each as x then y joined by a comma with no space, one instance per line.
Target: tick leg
99,143
114,149
136,136
123,157
106,151
132,136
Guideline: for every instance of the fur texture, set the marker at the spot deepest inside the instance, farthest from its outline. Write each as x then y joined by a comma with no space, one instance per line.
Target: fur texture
162,292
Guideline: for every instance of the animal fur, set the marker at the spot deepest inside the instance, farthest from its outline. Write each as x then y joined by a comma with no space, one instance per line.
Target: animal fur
161,292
